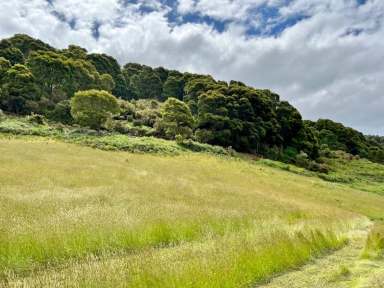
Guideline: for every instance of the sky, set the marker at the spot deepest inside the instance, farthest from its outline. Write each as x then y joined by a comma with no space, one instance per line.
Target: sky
326,57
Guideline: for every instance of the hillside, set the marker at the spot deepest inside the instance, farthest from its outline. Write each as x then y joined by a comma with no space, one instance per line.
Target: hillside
133,176
80,217
38,79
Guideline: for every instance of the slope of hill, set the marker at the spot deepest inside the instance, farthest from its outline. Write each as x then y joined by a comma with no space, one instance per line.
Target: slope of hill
37,78
76,216
169,198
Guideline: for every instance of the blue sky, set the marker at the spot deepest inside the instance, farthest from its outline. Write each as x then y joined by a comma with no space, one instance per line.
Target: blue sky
324,56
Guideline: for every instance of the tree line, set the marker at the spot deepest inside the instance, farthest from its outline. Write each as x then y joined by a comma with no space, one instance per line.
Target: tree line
73,86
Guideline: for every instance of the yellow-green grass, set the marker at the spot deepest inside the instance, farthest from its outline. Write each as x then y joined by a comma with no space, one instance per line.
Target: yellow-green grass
374,246
76,216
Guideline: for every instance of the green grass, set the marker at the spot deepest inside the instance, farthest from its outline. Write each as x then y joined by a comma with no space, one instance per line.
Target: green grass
73,216
361,174
374,246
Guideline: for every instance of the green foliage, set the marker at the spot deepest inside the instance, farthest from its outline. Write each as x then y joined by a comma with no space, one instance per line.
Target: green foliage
18,91
13,55
62,112
338,137
108,65
306,140
75,52
27,44
93,107
173,87
106,82
36,119
374,246
289,120
146,84
227,114
176,119
4,66
213,120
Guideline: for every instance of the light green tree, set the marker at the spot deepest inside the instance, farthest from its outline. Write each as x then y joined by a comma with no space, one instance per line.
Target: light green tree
176,119
93,108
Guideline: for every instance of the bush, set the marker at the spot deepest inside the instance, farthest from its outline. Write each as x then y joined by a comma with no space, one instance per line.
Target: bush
62,113
176,119
317,167
127,109
93,108
137,122
200,147
289,154
36,119
302,160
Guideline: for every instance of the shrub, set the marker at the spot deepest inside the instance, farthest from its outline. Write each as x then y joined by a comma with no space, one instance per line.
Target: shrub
318,167
289,154
127,109
92,108
302,160
137,122
36,119
176,119
62,113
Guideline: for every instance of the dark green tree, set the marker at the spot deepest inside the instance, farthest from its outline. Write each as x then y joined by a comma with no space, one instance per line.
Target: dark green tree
147,84
18,91
289,120
213,122
4,66
12,54
173,87
27,44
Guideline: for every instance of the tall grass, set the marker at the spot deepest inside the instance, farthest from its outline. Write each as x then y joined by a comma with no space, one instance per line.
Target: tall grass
27,252
75,216
374,246
241,264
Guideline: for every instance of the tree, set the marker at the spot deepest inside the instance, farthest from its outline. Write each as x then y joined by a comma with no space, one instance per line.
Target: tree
4,66
213,119
75,52
106,82
27,44
57,74
147,84
51,71
173,87
176,119
93,107
290,121
12,54
106,64
18,92
62,112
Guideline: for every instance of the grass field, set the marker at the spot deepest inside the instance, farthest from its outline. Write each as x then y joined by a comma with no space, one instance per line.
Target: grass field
73,216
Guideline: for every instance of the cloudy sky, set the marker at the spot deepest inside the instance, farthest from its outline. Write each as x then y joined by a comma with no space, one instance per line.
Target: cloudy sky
324,56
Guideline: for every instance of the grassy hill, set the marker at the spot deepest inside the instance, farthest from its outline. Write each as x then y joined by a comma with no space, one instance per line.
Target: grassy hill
73,216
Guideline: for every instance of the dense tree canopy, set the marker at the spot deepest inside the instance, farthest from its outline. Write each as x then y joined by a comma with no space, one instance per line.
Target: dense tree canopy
18,90
35,77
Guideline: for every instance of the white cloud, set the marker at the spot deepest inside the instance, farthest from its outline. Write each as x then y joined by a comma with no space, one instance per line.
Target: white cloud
329,65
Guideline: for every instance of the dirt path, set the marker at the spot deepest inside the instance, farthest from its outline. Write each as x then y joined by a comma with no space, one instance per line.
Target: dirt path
342,269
